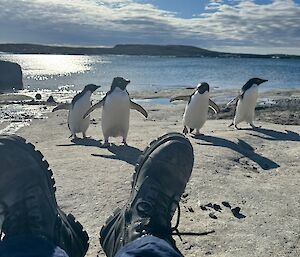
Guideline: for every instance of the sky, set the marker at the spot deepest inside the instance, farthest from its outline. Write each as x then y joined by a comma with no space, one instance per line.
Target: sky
247,26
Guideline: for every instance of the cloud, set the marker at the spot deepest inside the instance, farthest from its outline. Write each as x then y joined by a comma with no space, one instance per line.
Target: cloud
224,23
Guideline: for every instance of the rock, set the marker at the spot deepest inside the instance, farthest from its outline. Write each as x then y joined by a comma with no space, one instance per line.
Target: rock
203,208
210,205
212,215
10,76
185,195
51,99
38,96
190,209
226,204
217,207
236,213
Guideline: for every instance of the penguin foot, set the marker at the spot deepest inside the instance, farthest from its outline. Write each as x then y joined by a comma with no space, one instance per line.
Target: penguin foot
198,134
105,145
235,126
254,127
73,136
124,142
84,136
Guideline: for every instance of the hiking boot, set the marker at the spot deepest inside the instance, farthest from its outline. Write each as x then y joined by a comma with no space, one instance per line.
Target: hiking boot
160,178
27,199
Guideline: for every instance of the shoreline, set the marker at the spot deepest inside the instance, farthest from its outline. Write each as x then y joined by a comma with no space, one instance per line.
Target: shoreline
19,109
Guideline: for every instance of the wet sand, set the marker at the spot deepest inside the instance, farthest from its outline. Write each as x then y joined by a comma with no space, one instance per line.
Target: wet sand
245,184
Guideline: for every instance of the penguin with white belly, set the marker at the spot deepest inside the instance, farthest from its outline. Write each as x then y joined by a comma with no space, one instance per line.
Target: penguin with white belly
77,108
116,111
195,114
246,102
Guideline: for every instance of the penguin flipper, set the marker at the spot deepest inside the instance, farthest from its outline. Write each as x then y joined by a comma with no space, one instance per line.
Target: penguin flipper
234,100
95,106
139,108
65,106
180,97
214,106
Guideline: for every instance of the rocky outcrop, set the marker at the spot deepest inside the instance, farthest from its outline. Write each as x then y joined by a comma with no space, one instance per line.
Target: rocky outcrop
10,76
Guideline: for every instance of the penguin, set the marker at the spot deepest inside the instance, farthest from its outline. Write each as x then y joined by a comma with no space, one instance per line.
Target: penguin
245,102
77,108
195,114
116,111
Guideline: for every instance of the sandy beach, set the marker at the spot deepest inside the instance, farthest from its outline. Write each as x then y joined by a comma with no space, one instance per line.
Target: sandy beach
244,188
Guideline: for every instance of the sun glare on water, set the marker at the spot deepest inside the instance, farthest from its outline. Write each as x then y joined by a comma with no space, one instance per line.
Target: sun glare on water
44,66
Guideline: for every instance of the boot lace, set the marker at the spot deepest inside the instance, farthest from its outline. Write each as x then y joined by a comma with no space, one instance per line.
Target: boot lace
165,208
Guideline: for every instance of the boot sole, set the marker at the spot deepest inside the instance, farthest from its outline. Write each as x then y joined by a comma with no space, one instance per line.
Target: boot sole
69,219
82,236
109,222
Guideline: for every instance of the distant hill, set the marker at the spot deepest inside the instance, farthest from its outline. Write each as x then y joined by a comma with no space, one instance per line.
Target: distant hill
130,49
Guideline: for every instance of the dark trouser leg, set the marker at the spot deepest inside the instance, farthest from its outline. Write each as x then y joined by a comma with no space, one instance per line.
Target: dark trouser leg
148,246
29,246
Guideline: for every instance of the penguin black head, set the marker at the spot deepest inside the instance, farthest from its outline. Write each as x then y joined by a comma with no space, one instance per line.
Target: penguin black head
257,81
90,87
253,81
202,88
120,83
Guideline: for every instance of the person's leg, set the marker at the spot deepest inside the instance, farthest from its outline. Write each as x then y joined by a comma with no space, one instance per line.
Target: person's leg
143,226
148,246
30,246
31,222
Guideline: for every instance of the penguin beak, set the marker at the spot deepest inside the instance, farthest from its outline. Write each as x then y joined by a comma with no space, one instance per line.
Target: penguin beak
128,81
124,87
96,87
262,81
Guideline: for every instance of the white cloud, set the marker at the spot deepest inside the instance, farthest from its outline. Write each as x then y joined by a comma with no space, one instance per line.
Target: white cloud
224,23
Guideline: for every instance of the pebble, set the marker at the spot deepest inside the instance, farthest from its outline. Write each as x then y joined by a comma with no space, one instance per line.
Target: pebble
212,215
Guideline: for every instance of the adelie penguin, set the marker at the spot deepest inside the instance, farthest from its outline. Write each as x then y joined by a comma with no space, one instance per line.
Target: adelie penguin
77,108
195,114
116,111
245,102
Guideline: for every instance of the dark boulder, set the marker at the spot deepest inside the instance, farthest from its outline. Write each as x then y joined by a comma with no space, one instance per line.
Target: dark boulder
38,96
51,99
10,76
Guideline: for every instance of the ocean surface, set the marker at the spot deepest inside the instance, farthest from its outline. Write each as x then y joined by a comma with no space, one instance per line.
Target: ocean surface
73,72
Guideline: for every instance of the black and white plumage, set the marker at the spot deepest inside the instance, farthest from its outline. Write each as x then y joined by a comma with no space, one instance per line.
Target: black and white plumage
245,102
77,108
195,114
116,110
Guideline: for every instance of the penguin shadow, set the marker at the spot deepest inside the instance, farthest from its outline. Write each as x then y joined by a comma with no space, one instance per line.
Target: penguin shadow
216,208
124,153
275,135
84,142
241,147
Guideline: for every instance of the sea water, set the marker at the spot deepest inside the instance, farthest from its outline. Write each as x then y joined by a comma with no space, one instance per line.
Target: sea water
51,72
